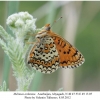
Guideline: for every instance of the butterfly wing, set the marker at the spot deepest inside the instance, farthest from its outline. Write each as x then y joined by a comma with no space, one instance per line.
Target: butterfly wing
44,56
69,56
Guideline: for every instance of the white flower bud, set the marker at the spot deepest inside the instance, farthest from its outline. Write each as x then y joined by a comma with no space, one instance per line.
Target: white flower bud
21,23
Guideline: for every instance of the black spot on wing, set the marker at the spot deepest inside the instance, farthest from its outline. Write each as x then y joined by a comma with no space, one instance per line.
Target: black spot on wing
63,62
64,45
68,51
64,52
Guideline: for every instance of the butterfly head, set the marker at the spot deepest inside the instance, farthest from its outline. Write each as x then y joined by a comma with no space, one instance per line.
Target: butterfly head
43,32
47,27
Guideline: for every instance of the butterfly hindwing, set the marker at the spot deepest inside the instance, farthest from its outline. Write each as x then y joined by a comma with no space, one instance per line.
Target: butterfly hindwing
44,57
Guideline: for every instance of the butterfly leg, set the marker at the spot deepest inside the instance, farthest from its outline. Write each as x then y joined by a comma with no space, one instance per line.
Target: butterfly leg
34,42
30,42
31,34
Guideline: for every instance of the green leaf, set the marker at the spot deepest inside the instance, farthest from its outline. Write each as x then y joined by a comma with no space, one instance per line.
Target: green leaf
3,87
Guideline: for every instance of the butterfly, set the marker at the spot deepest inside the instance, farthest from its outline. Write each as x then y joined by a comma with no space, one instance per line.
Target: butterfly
51,52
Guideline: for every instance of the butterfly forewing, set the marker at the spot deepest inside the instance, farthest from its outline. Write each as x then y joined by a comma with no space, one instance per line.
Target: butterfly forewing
70,57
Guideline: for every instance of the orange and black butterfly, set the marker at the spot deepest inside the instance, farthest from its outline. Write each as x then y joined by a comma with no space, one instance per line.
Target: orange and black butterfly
51,52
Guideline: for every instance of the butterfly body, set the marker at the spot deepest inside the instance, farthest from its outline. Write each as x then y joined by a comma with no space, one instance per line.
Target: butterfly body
51,52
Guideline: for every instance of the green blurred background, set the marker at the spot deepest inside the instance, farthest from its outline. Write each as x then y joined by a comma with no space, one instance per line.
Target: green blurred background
80,25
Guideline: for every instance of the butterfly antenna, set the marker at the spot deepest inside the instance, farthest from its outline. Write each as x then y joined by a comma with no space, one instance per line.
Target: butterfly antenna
55,21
